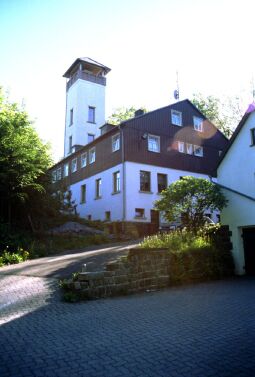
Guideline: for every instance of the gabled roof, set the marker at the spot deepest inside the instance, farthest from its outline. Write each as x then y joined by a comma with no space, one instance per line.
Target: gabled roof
251,109
89,61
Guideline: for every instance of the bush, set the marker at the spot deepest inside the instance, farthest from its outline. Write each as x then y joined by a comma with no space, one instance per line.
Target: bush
8,257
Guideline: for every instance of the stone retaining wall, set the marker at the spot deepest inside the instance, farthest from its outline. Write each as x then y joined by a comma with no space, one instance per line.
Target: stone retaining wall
141,270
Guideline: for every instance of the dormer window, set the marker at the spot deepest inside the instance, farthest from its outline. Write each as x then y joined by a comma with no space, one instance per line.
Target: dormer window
176,117
198,124
253,136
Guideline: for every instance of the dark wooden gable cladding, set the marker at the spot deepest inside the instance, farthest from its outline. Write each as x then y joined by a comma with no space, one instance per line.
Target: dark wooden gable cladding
158,123
105,159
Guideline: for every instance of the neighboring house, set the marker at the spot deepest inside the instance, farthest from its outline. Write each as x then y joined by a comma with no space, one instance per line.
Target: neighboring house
116,173
236,172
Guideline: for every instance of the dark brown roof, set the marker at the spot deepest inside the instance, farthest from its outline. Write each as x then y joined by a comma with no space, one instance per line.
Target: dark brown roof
89,61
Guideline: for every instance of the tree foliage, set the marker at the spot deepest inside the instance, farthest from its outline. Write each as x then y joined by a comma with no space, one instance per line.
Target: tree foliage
123,113
189,198
24,162
225,113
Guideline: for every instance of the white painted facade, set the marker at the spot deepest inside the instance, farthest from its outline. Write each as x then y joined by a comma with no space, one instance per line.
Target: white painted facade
122,205
237,172
79,97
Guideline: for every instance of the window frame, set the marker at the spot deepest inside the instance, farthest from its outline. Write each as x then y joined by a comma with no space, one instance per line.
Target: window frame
83,193
187,148
198,126
158,139
196,147
83,165
116,182
176,113
142,183
252,133
116,143
92,150
181,146
92,111
74,165
98,188
59,174
54,176
142,213
107,215
66,170
158,184
71,117
92,136
70,143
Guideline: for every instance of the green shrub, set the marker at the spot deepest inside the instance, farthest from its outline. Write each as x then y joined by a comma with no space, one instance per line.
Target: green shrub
8,257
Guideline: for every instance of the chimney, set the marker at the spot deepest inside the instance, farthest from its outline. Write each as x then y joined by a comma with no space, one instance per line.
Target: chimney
139,112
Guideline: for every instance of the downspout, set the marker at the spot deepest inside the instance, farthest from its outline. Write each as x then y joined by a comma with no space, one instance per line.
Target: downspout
123,178
65,124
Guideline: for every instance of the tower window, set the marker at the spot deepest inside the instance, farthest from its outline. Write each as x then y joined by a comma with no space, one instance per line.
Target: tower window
91,114
70,144
91,138
71,117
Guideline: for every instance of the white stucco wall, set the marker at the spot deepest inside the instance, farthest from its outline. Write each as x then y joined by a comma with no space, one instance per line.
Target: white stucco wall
80,96
108,202
237,171
136,199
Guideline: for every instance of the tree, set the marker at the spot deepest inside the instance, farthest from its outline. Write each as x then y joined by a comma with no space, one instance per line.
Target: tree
122,113
225,113
189,198
24,162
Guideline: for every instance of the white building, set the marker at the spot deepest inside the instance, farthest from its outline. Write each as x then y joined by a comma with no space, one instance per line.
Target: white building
118,174
236,172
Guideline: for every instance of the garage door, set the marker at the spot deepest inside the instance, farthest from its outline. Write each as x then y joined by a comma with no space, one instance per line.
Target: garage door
249,250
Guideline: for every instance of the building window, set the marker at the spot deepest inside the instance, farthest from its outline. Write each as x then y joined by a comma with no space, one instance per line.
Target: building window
74,165
92,155
83,193
84,160
253,136
107,215
189,148
91,138
89,217
181,146
198,124
59,174
71,117
116,182
54,176
176,117
153,143
139,213
145,181
70,144
198,151
115,143
66,170
162,182
98,188
91,114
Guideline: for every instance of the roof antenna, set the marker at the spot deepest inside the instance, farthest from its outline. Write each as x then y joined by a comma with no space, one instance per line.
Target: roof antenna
177,91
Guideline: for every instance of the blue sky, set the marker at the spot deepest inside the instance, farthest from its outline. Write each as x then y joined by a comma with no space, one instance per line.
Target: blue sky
210,43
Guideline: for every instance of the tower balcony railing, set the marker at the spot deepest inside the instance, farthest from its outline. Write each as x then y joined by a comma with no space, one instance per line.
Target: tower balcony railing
85,76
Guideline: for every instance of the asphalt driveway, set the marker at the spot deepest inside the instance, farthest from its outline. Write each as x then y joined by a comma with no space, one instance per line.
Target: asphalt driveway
206,330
